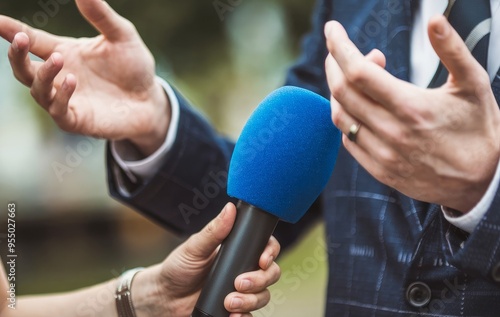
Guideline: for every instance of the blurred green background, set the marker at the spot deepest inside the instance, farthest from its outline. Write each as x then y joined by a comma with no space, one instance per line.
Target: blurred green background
70,234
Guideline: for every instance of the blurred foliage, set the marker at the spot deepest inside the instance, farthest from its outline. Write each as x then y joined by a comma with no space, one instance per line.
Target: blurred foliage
188,34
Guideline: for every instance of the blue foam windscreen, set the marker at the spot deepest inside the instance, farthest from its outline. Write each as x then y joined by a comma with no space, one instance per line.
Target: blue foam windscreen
285,154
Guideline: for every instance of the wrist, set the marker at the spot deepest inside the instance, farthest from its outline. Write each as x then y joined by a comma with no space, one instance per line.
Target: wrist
156,130
146,295
479,187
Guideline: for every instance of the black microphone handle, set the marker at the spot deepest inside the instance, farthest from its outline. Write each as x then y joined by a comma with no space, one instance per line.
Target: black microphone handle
239,253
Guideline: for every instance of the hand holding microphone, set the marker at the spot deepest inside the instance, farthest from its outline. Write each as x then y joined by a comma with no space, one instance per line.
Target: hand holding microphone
281,163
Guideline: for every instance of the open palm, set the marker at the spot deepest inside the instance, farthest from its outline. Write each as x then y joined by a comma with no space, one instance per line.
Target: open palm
102,87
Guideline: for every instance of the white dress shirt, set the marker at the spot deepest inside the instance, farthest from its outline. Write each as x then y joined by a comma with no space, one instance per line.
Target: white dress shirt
424,62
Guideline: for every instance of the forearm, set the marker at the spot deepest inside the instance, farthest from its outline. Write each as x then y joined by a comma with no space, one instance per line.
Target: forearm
93,301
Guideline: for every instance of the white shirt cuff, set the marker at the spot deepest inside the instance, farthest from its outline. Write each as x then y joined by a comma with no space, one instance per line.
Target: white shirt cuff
129,159
471,220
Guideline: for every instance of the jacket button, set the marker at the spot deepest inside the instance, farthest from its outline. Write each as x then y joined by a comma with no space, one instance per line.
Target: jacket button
418,294
496,273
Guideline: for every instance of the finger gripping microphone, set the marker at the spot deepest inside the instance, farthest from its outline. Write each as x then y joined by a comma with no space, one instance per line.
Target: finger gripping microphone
281,163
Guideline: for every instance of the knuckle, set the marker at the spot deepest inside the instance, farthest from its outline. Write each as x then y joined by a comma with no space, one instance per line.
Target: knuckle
34,94
334,106
415,114
73,124
44,74
420,113
11,55
21,78
54,112
405,169
423,116
275,245
266,297
250,302
483,80
338,118
261,282
383,176
378,175
328,63
388,179
276,273
456,50
356,73
20,75
256,301
128,25
210,230
338,88
396,136
387,157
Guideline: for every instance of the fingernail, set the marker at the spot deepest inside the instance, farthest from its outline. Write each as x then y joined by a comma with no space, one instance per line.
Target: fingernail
223,212
15,46
236,303
245,285
441,29
328,28
269,262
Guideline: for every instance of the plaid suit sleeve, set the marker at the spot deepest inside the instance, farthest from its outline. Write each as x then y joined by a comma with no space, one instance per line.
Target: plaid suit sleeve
189,189
478,254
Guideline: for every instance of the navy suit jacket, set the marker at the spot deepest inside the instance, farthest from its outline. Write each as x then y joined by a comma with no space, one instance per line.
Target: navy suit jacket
388,254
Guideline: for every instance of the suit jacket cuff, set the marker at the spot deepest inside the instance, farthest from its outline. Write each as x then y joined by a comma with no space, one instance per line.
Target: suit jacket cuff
477,253
175,195
129,159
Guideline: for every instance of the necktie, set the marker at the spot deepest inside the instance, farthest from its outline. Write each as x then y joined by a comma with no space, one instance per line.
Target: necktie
472,20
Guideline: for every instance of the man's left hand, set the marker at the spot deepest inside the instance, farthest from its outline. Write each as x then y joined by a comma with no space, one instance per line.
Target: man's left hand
436,145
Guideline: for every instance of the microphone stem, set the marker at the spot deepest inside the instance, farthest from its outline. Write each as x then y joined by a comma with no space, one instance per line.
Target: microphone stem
239,253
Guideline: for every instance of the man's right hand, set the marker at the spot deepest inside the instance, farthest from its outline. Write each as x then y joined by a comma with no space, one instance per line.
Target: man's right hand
102,87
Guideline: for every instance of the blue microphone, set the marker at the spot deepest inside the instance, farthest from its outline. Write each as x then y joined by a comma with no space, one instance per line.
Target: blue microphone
282,161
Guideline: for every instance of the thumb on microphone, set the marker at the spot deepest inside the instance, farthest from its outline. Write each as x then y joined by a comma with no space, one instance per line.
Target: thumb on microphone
201,246
204,243
178,280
